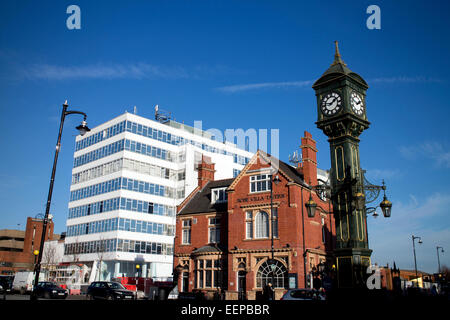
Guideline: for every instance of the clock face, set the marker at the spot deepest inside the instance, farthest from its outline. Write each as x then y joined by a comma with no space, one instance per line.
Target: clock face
331,104
357,103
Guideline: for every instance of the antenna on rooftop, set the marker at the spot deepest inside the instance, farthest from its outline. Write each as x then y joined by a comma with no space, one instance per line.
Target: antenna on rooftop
295,158
135,110
162,115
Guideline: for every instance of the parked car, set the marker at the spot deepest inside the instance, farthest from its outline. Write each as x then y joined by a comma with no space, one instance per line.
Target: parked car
108,290
49,290
23,281
303,294
6,283
173,295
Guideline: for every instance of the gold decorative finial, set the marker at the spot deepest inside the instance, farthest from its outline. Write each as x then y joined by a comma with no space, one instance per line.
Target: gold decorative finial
337,55
336,44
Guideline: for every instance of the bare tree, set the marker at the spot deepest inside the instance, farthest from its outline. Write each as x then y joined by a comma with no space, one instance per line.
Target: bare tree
102,253
50,257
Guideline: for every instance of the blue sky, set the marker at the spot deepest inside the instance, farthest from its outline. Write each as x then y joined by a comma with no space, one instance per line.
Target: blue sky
233,64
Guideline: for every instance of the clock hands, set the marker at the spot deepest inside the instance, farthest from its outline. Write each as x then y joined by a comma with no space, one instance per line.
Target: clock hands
331,104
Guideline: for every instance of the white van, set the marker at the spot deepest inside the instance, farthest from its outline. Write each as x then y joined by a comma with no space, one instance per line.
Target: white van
23,281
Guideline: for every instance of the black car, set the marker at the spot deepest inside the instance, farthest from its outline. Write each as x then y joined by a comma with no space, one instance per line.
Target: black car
49,290
6,283
109,291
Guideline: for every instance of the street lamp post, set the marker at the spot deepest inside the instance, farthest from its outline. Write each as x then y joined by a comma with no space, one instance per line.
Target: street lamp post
439,262
275,180
138,267
35,253
358,201
82,129
414,250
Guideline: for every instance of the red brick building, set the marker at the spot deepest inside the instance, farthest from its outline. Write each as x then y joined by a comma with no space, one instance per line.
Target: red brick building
224,228
17,246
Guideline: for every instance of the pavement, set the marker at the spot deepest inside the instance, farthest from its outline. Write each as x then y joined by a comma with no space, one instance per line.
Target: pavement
24,297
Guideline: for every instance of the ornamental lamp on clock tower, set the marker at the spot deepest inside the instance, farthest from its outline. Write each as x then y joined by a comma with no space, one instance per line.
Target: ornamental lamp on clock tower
341,106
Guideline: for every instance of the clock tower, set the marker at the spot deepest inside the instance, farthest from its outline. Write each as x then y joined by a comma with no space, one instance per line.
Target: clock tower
341,108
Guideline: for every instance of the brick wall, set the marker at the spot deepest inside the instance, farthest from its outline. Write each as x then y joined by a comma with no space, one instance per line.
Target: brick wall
25,259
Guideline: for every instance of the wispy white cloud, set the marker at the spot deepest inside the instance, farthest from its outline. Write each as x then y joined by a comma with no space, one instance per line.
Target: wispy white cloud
307,83
264,85
404,79
101,71
431,150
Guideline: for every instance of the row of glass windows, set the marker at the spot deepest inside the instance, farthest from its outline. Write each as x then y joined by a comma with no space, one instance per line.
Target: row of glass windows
96,189
240,159
120,224
151,188
126,184
98,171
111,245
133,165
257,226
98,153
100,136
151,151
128,145
154,170
98,246
122,204
177,140
153,134
94,208
144,247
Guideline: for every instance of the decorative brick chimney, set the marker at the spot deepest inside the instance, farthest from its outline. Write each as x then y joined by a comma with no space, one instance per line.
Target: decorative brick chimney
205,171
309,159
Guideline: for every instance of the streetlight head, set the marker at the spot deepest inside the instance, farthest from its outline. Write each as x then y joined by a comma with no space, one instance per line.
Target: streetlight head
420,241
375,214
276,179
83,128
311,207
386,207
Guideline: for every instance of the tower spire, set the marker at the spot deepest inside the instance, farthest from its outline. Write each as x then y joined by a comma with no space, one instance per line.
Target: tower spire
337,56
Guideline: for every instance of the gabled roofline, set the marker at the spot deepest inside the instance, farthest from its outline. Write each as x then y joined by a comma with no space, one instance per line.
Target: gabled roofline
267,157
188,199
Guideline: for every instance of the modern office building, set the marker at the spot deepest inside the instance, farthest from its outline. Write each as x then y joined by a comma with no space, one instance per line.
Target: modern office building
129,175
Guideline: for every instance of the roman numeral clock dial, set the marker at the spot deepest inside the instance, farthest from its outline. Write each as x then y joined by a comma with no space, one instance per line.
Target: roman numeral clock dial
357,103
331,104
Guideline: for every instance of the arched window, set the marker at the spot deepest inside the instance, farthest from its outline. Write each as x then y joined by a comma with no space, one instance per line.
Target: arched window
264,275
262,225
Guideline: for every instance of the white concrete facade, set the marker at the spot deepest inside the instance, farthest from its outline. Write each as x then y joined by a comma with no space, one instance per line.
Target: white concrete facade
121,226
